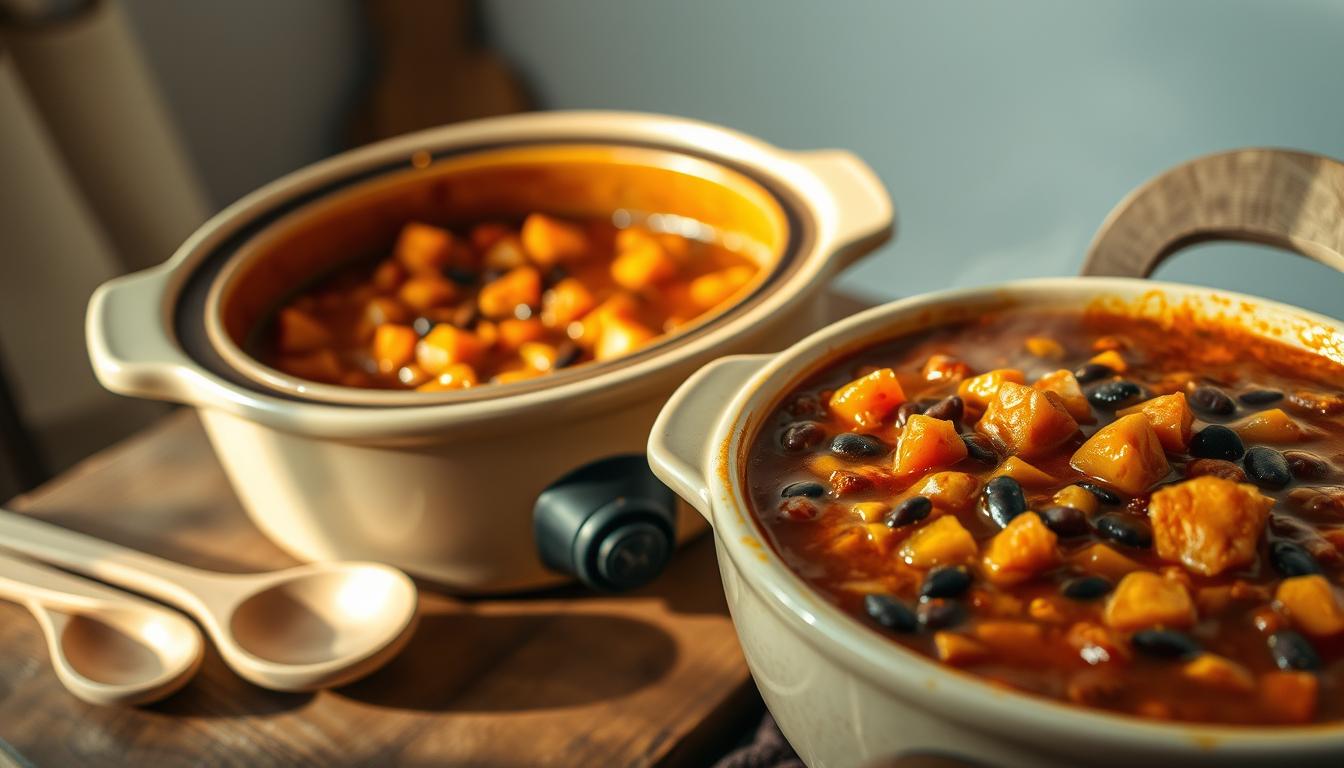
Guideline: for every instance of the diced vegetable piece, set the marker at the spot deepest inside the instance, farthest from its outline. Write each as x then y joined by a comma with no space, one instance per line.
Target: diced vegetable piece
1097,644
944,368
958,650
1020,551
505,254
1111,359
642,265
711,290
866,401
927,443
1125,454
952,491
941,542
422,248
382,310
1103,560
446,345
1219,673
1312,604
1025,474
1019,640
1025,421
566,302
297,331
870,511
550,241
1170,417
622,306
388,276
426,292
517,287
1208,524
620,337
1077,497
514,333
1273,426
977,391
1065,384
455,376
394,346
1044,347
538,355
1145,599
1290,697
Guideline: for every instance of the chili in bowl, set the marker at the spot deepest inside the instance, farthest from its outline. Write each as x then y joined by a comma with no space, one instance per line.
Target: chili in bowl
1049,522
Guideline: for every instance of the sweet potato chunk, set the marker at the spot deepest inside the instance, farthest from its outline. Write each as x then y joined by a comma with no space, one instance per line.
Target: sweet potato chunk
1020,551
297,331
1208,524
642,264
517,287
550,241
568,301
1026,475
711,290
1125,454
1065,384
866,401
1025,421
1170,418
1145,599
927,443
1077,497
957,650
941,542
944,368
1312,604
1273,426
1111,359
447,345
423,248
621,337
394,346
1044,347
977,390
1218,672
953,491
1290,697
1101,559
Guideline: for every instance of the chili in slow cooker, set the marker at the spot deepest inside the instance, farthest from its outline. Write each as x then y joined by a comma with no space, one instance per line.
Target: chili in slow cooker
499,303
1094,508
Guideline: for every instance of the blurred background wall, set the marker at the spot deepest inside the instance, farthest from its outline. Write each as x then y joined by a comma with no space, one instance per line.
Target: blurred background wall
1005,131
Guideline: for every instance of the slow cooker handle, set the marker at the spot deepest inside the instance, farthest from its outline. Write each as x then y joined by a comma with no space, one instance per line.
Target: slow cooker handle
131,349
1290,200
679,444
854,207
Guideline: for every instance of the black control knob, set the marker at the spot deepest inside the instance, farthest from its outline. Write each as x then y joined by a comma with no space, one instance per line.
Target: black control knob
611,524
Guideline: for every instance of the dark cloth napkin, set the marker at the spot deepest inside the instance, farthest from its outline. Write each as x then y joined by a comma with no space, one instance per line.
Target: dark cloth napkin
767,749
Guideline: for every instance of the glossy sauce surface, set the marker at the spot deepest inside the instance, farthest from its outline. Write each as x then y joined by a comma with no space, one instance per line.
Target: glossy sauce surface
1190,579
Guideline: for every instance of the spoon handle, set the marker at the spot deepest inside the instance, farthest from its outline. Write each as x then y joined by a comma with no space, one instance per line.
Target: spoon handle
169,582
23,582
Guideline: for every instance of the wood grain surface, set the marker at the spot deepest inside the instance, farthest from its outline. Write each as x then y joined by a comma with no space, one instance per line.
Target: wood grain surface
563,678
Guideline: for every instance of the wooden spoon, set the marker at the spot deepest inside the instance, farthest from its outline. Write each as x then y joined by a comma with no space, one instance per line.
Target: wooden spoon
107,646
299,629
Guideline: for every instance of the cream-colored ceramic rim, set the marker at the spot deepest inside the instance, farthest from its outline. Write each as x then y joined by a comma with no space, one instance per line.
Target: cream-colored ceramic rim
256,370
960,696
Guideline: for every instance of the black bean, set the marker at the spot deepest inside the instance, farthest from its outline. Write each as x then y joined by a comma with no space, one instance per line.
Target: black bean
947,581
1125,529
460,275
801,435
1292,651
1267,467
1306,466
567,353
980,449
1217,442
890,613
940,613
1090,372
949,409
1104,495
1292,559
1260,396
1066,521
905,410
853,445
1213,401
1004,499
422,326
1115,394
1165,643
1086,587
805,488
910,511
556,274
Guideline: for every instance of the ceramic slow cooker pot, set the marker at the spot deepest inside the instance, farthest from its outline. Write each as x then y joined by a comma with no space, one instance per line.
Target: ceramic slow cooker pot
843,694
444,485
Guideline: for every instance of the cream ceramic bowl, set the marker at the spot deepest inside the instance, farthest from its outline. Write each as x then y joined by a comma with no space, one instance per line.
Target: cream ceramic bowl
845,695
444,485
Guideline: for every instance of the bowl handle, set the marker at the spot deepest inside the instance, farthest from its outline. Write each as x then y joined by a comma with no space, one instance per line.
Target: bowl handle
853,197
679,444
129,343
1290,200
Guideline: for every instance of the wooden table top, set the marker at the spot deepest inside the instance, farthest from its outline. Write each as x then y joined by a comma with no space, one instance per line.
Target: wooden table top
559,678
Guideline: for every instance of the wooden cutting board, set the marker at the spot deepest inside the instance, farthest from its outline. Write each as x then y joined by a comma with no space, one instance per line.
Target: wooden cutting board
562,678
